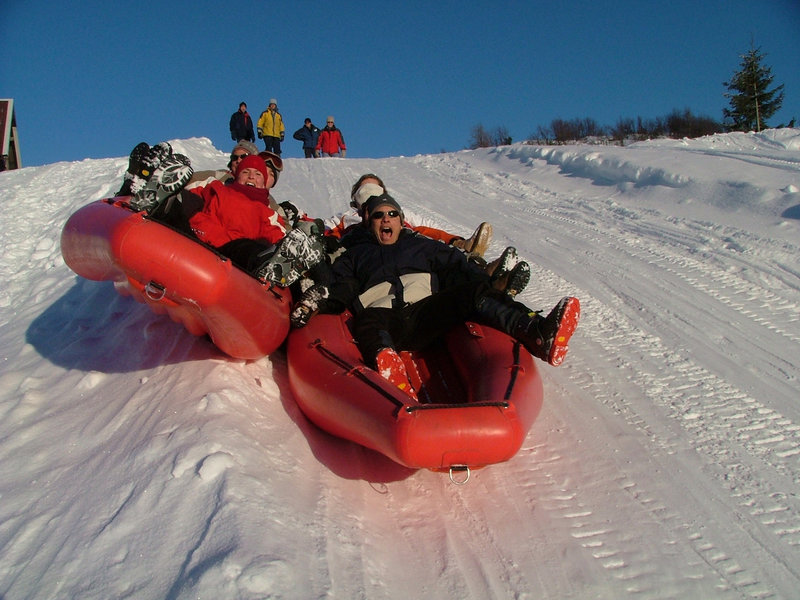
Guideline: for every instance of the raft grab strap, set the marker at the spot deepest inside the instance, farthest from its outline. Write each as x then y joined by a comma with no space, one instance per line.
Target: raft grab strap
416,407
515,368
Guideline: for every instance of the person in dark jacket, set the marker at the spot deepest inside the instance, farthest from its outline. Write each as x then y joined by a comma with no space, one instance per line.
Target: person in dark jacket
241,125
406,290
308,134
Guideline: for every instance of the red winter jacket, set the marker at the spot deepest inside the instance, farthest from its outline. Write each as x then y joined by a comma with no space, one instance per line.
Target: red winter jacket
235,211
331,141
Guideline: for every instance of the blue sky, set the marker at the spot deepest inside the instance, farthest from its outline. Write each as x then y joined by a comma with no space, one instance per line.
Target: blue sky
90,79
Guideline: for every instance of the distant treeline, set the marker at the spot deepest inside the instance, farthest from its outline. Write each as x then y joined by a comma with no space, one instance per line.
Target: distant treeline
678,124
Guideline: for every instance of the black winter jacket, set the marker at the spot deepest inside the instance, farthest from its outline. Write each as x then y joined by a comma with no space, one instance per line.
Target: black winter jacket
414,267
242,127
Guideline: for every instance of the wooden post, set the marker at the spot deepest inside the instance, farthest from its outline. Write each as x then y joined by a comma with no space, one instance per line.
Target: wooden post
9,142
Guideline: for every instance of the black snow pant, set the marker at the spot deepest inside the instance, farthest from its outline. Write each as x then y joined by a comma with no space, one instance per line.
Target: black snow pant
272,144
417,325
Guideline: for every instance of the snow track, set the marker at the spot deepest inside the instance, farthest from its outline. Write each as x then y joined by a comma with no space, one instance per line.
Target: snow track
644,277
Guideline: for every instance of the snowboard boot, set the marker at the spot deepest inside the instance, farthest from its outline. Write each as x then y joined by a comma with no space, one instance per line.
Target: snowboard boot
296,253
502,265
134,168
392,368
518,279
478,242
547,338
172,174
148,164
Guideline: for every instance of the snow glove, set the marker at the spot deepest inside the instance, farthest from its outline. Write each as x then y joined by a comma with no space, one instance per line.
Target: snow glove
291,213
308,305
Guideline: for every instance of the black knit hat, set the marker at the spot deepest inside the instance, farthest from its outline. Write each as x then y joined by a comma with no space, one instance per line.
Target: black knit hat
382,200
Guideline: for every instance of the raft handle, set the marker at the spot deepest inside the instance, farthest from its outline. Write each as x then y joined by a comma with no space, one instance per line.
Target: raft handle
459,469
155,291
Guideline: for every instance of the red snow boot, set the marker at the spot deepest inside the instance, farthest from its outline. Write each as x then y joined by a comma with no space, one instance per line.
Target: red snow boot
391,367
547,337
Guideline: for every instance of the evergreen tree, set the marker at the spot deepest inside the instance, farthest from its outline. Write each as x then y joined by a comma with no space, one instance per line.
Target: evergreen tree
751,102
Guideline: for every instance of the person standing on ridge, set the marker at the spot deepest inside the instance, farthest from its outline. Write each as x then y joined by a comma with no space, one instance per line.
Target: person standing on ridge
308,134
241,125
270,128
331,141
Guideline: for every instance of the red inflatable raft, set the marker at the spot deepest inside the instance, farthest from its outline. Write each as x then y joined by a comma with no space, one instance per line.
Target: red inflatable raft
175,274
479,394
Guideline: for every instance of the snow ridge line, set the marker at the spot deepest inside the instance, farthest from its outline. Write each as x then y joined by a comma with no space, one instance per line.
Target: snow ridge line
593,166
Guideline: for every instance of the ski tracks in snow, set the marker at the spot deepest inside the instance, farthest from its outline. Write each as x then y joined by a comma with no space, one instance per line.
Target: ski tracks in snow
668,388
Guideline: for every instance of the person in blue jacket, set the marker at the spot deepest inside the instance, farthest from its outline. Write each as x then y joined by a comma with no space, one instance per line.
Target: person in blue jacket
308,134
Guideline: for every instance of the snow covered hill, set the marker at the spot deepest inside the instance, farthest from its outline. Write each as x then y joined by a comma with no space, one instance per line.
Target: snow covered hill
136,461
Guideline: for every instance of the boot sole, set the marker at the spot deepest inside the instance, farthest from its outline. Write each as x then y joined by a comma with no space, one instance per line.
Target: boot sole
518,279
568,322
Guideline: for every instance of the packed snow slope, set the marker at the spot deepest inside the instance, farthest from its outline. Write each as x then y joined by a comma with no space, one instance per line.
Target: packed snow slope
136,461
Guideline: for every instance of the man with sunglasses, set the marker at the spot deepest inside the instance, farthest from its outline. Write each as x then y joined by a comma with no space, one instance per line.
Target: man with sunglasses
406,290
242,149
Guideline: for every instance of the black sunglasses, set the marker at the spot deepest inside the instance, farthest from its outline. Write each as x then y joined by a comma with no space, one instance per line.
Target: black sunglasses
235,157
379,214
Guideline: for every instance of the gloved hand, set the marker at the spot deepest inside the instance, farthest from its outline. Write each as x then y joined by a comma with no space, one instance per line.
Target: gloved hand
282,135
344,153
301,315
291,212
260,133
308,305
331,243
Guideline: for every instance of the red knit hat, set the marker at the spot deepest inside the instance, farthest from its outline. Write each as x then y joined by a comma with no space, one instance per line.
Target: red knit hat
253,162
